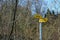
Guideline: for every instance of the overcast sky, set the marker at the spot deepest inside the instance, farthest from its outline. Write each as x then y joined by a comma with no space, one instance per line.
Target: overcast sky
45,4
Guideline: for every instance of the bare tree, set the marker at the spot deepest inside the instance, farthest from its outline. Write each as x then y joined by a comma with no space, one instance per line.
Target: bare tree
13,26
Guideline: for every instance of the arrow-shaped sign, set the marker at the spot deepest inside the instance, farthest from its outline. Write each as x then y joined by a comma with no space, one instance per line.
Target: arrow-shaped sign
41,19
38,16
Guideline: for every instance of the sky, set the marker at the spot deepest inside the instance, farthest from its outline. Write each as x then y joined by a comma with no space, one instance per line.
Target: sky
43,5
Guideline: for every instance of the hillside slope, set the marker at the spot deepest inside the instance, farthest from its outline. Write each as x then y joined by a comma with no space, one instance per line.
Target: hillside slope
51,30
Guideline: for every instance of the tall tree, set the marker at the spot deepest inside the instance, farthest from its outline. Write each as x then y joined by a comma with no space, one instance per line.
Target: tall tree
14,14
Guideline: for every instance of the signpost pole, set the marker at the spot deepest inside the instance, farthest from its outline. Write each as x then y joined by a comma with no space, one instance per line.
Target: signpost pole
40,28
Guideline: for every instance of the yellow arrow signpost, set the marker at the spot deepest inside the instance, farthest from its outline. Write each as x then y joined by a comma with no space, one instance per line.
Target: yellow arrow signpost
41,19
38,16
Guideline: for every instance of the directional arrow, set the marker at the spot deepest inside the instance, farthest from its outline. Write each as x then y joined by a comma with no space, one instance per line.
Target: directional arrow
43,20
38,16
